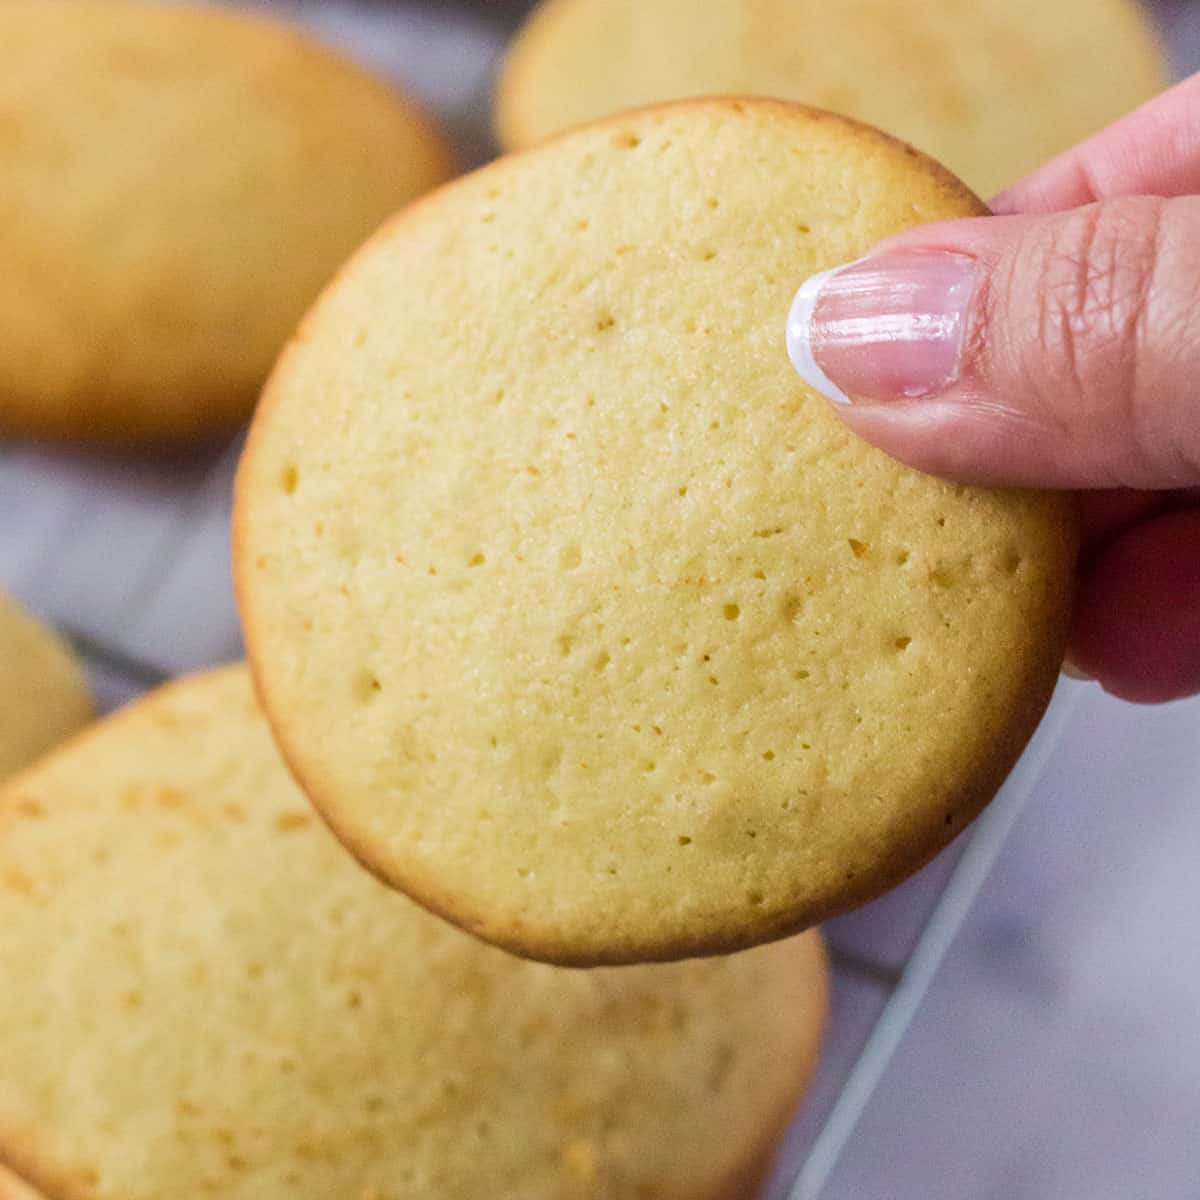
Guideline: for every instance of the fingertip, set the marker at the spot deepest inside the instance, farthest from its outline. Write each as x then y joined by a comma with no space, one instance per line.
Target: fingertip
970,443
1137,617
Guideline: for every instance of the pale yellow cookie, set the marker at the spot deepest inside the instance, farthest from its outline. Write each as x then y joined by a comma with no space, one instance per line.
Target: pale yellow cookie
176,184
579,617
43,693
205,995
992,88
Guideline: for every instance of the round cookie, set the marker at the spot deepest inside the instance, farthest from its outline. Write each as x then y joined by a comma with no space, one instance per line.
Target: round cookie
991,88
578,616
43,694
248,1014
176,185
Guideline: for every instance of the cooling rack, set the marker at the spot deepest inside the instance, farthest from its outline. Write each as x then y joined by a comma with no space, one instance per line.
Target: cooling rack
130,559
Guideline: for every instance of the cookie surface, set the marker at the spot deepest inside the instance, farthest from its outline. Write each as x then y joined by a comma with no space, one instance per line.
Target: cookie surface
579,617
176,185
991,88
248,1014
44,697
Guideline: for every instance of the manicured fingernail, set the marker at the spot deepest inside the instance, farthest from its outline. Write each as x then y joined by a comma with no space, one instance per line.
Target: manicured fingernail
888,327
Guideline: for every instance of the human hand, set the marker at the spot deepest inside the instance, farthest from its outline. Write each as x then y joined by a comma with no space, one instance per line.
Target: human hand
1055,345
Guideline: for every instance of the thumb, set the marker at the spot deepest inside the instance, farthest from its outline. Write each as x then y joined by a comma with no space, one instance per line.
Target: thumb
1052,351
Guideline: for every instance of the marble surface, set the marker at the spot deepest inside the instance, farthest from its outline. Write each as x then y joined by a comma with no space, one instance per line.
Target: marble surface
1057,1054
1028,1030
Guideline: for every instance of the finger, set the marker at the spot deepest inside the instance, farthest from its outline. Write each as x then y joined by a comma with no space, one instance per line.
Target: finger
1154,151
1104,516
1136,629
1052,351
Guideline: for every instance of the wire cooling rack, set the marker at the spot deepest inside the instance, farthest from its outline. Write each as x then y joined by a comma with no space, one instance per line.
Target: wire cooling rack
130,559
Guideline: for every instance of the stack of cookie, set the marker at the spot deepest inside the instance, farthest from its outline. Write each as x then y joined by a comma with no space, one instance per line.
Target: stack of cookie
575,617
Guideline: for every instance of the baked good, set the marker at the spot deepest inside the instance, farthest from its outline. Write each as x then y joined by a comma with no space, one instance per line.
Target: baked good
205,995
579,617
43,693
176,184
991,88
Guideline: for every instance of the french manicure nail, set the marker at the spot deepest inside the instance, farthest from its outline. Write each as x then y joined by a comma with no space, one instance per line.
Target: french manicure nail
887,327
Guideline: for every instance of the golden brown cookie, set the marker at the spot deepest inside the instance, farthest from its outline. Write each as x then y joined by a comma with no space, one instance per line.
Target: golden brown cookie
176,184
578,616
992,88
43,693
205,995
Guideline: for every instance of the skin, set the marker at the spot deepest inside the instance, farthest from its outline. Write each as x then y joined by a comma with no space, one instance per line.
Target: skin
1079,371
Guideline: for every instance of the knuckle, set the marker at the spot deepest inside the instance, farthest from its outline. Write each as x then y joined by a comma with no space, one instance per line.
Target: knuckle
1086,280
1096,275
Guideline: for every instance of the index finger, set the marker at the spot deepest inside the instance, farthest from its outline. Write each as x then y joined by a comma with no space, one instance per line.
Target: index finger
1154,151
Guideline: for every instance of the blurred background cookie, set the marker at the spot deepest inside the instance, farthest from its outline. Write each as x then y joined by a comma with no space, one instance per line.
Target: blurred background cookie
992,88
176,184
43,694
237,1009
579,617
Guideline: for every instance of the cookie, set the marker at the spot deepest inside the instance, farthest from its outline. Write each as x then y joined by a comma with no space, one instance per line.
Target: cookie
992,88
226,1004
579,617
43,694
176,185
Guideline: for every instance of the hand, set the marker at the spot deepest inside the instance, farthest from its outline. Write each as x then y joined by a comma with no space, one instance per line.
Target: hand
1055,345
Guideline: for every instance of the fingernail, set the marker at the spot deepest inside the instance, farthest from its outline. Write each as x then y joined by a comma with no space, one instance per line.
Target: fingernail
887,327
